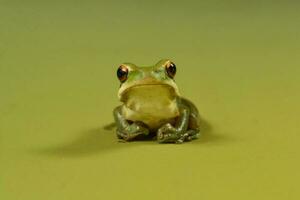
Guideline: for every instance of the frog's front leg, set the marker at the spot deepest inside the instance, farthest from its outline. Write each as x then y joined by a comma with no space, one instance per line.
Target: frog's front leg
179,133
128,131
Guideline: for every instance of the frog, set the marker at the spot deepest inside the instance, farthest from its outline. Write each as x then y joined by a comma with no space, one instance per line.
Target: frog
151,105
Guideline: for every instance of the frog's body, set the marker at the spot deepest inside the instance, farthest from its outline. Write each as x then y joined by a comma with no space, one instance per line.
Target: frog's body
152,104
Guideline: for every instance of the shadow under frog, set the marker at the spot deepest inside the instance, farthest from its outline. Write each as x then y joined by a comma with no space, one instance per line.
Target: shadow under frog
88,142
102,140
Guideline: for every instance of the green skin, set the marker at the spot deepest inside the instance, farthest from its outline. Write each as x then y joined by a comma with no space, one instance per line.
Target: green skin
152,105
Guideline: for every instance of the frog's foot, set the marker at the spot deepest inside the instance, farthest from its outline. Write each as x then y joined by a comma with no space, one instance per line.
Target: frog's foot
169,134
132,131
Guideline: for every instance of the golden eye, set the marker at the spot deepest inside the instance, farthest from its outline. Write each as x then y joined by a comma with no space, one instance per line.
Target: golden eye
122,73
171,69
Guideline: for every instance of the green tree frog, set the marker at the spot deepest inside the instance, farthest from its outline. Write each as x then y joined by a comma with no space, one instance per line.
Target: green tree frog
152,105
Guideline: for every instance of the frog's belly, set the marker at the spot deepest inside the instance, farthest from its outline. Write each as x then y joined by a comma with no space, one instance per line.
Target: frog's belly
153,117
154,105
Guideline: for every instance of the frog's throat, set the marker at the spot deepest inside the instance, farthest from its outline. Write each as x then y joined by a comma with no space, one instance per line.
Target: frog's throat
123,91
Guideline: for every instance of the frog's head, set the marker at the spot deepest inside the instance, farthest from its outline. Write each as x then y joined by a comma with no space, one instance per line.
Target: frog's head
147,81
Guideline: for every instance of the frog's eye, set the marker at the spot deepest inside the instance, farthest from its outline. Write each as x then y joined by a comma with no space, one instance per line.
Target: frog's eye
122,73
171,69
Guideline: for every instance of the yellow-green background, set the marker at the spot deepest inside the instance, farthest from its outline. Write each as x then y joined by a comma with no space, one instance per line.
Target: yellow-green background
238,61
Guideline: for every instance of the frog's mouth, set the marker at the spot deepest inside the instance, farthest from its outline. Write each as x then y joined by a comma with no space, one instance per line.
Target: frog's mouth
149,92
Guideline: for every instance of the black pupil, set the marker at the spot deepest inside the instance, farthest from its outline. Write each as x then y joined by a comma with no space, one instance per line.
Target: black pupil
121,73
172,69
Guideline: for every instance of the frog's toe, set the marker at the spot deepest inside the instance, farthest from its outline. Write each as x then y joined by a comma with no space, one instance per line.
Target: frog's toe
180,141
169,136
128,136
193,137
165,133
163,137
124,136
166,136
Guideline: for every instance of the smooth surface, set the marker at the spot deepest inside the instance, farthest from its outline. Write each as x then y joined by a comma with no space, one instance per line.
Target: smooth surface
238,61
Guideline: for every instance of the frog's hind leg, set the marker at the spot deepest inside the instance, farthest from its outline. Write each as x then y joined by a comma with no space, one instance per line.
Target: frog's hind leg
193,131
